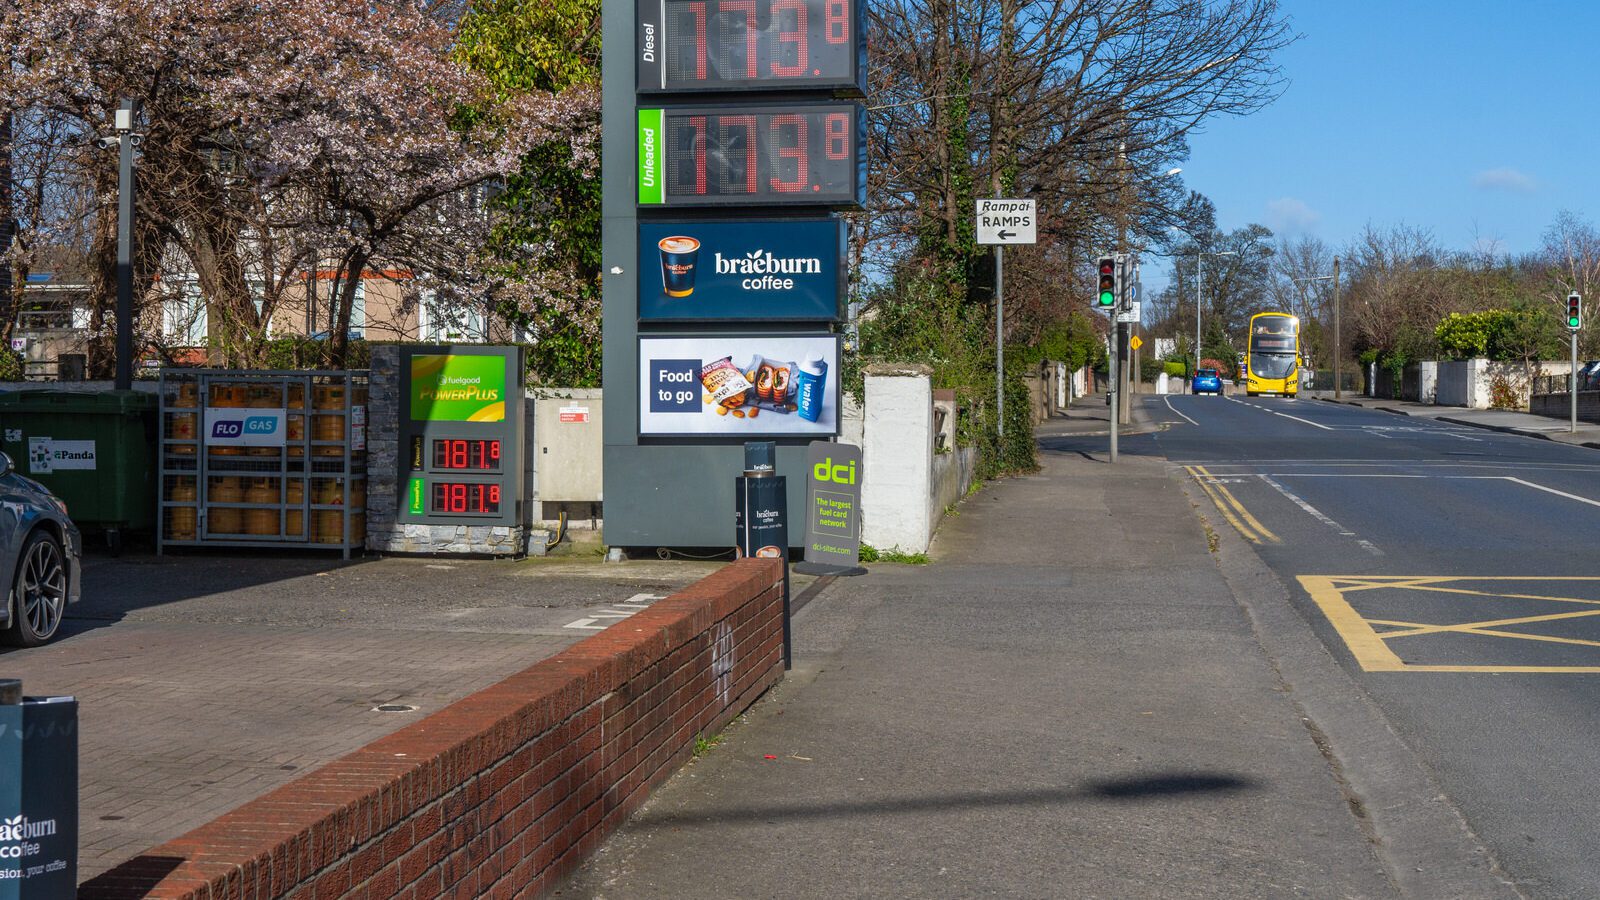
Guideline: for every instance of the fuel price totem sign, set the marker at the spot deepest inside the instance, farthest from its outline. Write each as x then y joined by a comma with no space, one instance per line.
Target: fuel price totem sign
747,137
461,435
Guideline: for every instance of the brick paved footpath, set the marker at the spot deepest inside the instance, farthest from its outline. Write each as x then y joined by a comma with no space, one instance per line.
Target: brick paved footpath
193,705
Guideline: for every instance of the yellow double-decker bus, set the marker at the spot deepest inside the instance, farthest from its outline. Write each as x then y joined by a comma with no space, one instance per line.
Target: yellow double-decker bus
1272,357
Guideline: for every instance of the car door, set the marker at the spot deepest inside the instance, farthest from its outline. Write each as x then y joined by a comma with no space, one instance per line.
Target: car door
13,507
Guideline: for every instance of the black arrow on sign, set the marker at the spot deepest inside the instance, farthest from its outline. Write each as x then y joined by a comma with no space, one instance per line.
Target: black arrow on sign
1005,235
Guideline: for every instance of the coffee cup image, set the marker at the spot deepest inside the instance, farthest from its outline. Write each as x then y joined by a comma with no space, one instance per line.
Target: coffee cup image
678,257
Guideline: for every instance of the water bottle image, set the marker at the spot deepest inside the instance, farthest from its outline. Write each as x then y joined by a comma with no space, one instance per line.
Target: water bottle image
810,384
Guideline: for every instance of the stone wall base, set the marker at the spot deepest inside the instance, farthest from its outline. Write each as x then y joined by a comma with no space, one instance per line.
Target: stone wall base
471,540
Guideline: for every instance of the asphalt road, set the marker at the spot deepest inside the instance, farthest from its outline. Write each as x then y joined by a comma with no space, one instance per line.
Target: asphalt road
1454,573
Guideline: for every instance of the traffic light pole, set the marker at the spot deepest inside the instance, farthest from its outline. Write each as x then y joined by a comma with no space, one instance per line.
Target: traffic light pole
1114,401
1572,383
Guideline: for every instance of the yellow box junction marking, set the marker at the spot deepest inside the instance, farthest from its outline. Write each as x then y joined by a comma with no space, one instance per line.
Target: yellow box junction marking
1371,648
1230,507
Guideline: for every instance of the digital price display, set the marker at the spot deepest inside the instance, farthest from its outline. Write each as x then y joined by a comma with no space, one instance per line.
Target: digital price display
472,455
781,155
461,435
734,45
461,498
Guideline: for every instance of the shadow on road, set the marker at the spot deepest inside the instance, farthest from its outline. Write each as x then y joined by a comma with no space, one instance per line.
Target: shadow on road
1127,790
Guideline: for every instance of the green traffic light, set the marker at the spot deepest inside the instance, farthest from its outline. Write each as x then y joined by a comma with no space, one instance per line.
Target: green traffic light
1107,298
1572,321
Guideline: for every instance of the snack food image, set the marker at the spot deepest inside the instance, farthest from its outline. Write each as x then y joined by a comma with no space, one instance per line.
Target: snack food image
744,391
725,383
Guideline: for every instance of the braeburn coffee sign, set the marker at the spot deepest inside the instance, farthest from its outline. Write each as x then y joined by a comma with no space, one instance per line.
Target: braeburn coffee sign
776,271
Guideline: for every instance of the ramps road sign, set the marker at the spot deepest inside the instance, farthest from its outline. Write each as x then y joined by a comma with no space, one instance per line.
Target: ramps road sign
1007,222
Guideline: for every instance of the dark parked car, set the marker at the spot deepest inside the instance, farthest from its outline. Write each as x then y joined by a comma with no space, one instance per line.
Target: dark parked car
1206,381
40,551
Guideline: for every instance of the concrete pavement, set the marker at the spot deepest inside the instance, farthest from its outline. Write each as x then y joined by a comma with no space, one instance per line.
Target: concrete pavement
206,680
1069,701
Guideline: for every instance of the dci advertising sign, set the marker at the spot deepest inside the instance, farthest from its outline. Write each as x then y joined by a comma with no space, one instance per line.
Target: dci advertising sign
739,386
779,271
833,504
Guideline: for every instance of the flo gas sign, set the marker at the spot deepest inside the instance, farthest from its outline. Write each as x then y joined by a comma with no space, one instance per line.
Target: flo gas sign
235,427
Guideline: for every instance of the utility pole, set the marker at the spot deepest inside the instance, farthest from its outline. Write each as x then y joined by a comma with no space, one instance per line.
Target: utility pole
1124,402
1338,345
1199,276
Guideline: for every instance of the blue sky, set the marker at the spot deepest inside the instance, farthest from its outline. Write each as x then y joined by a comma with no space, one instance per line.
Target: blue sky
1476,120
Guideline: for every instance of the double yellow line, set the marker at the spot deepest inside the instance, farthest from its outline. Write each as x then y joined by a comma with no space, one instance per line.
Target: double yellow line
1231,508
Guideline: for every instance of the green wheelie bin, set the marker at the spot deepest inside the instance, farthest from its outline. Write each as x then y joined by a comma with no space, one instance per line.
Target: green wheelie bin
96,451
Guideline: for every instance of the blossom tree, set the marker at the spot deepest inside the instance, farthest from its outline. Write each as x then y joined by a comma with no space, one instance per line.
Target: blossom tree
279,131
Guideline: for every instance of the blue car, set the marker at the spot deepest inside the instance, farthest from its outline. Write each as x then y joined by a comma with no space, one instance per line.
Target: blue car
1206,381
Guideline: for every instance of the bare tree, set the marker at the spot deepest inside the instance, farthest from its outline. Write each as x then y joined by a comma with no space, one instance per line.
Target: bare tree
1081,105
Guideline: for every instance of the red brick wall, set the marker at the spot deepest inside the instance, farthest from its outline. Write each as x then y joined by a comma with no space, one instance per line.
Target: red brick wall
503,792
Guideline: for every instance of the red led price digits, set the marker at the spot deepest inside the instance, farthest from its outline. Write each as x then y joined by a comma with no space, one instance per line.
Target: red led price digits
455,453
743,155
838,128
732,41
837,23
460,498
793,127
795,37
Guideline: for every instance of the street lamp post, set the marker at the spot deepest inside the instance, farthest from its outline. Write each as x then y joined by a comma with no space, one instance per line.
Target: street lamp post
126,141
1125,380
1338,388
1199,282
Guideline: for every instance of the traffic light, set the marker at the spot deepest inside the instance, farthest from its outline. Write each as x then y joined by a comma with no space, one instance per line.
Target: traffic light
1574,311
1107,296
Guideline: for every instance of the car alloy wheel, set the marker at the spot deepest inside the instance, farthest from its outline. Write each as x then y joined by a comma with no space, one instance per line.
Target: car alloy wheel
40,591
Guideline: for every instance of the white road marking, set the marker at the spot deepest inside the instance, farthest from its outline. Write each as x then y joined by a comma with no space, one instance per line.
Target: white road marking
1510,478
1285,415
1298,419
620,611
1317,514
1168,401
1549,490
1397,464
